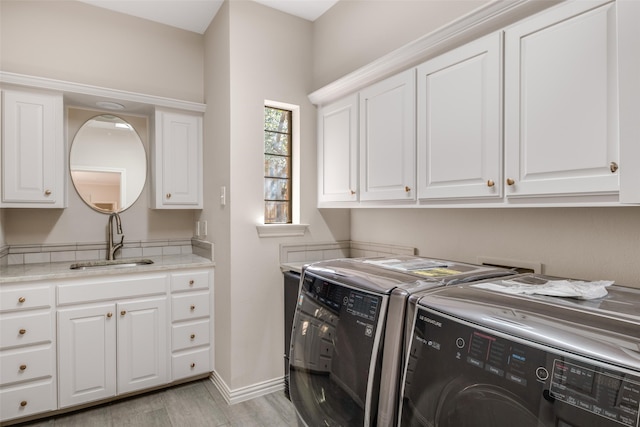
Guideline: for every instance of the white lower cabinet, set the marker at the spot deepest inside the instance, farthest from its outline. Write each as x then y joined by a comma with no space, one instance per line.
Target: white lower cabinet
191,328
86,354
142,344
27,350
110,349
121,334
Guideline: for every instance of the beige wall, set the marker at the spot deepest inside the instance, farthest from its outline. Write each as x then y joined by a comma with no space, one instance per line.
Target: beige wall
2,239
354,33
269,59
591,243
587,243
72,41
76,42
217,174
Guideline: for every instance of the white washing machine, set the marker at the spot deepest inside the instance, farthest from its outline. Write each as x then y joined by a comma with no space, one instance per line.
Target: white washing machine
484,358
348,334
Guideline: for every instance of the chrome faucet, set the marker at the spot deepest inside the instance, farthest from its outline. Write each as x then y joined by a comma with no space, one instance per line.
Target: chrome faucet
111,250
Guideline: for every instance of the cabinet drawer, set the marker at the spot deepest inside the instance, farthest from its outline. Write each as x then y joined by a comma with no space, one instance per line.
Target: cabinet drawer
190,306
190,280
24,297
29,399
188,364
116,287
23,365
25,329
188,335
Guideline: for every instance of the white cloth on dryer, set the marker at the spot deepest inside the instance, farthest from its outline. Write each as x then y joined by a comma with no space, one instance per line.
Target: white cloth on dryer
556,288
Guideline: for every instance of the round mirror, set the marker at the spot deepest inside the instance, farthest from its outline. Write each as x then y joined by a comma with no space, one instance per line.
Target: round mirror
108,163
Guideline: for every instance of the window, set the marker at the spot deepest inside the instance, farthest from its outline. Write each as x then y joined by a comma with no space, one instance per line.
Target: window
277,165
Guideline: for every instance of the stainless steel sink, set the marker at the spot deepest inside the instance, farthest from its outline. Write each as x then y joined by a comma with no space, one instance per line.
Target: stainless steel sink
118,263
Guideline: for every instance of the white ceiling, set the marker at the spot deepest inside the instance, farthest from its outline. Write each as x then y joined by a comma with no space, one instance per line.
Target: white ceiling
196,15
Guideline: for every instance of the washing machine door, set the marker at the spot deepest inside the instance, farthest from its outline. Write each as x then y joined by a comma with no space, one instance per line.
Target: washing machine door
335,349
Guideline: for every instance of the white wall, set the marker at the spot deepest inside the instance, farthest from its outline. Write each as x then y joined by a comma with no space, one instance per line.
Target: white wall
72,41
269,58
591,243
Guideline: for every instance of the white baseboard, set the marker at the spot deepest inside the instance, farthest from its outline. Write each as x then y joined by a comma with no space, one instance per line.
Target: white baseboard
246,393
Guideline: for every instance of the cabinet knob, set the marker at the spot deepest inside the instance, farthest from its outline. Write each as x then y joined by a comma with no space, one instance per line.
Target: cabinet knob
109,315
21,299
490,183
168,195
193,336
407,189
22,331
123,312
23,367
353,193
47,192
613,166
193,307
191,282
510,181
23,403
193,365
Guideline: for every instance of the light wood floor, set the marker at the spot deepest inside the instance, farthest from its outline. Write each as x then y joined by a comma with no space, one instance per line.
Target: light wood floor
189,405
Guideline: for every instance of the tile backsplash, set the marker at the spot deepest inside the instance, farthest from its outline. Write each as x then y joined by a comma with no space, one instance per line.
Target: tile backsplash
341,249
32,254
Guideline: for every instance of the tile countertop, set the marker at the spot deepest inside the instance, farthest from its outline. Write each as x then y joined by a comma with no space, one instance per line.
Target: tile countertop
294,266
61,270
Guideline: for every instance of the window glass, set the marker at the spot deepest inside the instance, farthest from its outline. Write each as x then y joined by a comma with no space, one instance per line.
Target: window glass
277,166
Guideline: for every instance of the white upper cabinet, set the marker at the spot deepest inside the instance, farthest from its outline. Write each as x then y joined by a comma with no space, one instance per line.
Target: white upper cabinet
177,160
458,109
33,150
561,102
338,151
388,139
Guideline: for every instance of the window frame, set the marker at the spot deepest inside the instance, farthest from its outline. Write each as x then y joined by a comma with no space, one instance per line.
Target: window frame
295,228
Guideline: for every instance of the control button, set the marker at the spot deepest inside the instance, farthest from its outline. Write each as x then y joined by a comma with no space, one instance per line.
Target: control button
460,343
542,373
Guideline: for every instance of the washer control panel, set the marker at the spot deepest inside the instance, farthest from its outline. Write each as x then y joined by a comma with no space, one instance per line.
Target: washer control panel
604,392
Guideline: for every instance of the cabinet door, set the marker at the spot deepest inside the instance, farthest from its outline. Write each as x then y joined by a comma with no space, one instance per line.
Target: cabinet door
86,354
459,138
338,151
561,116
178,161
33,165
387,139
143,353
